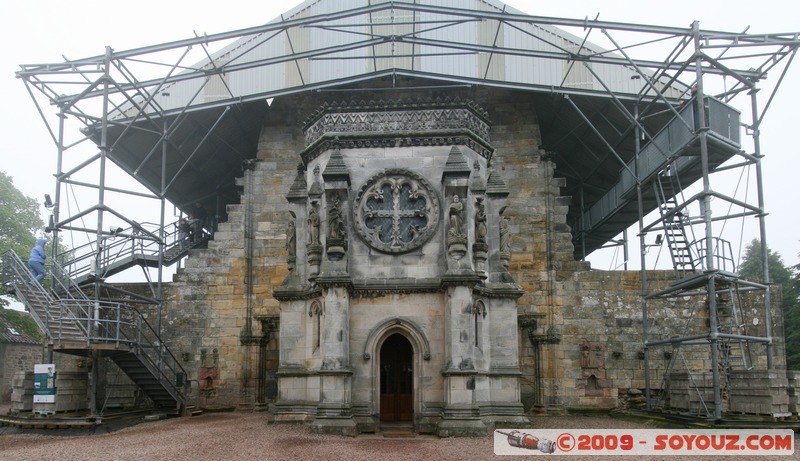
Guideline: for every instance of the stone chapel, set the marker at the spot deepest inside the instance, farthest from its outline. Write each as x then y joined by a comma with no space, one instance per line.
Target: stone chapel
399,231
399,304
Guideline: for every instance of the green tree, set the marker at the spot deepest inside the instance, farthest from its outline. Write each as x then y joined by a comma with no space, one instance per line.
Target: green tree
752,269
19,221
21,322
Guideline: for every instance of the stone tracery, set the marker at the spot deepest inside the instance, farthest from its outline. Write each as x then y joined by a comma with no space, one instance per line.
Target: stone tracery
396,211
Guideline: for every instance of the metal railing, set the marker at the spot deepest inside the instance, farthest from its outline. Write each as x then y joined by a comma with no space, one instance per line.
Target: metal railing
664,149
136,243
65,313
17,279
721,253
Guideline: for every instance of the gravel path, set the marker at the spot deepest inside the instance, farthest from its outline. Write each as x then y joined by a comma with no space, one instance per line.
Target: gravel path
247,436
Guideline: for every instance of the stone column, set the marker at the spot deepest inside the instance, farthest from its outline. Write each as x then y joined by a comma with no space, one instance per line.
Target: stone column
461,416
480,239
458,219
336,219
503,406
334,412
294,379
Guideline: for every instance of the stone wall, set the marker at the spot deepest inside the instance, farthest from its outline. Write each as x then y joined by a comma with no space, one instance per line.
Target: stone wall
16,357
588,323
594,351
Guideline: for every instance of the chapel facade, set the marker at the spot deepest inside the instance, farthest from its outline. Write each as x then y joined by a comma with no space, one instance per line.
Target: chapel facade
399,305
408,259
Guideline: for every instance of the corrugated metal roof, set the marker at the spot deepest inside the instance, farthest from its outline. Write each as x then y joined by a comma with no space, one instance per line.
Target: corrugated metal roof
451,43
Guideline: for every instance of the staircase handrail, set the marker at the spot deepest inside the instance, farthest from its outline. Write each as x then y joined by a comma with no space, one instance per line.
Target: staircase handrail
721,253
150,347
97,321
64,285
126,243
17,275
121,324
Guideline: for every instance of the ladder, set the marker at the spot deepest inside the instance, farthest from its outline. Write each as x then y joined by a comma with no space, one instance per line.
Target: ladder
735,353
674,223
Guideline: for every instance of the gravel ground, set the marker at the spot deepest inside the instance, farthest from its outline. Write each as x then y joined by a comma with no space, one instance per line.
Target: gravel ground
246,436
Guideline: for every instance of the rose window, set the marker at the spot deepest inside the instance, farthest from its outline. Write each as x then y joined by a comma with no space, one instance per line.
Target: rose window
396,211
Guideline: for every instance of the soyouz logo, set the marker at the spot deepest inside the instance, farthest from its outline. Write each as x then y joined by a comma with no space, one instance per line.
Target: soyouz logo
583,442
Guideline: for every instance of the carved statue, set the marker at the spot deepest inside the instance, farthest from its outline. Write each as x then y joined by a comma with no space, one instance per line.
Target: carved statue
313,224
336,230
456,217
505,247
480,222
291,238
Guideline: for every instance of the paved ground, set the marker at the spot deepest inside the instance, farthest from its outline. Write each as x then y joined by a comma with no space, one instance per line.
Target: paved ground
246,436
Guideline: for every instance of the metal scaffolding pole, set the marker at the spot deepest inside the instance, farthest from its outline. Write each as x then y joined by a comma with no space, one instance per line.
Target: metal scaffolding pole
705,206
762,225
643,273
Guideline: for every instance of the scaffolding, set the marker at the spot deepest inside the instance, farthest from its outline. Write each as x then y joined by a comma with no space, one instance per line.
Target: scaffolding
673,122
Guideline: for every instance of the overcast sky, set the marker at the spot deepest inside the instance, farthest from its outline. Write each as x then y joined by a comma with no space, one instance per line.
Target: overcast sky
39,31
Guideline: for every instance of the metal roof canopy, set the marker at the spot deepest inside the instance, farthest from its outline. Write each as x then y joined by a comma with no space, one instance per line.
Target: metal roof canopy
191,148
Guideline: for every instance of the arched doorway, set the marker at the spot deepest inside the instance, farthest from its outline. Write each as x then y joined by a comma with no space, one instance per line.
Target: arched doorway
397,379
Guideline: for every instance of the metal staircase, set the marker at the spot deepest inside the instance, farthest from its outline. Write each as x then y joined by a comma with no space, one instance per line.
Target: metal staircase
675,223
139,245
77,325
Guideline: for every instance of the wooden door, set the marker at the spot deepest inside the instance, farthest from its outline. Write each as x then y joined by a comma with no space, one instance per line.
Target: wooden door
397,379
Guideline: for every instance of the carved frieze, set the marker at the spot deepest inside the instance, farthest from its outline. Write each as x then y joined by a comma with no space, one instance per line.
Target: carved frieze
394,119
400,123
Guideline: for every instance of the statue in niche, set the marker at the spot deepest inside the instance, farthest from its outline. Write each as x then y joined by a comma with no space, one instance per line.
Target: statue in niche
505,246
313,224
480,222
336,230
336,242
456,217
291,238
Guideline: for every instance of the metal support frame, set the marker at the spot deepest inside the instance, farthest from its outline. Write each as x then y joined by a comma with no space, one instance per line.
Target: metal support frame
123,82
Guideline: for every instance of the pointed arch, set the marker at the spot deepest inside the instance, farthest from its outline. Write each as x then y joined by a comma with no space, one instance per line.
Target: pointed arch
401,324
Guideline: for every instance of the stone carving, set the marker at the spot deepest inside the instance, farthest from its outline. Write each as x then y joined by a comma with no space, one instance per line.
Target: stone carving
314,248
585,355
337,233
456,239
291,243
336,229
315,309
479,308
480,248
593,356
393,116
593,369
480,221
291,238
396,211
505,236
505,241
316,185
456,216
313,224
